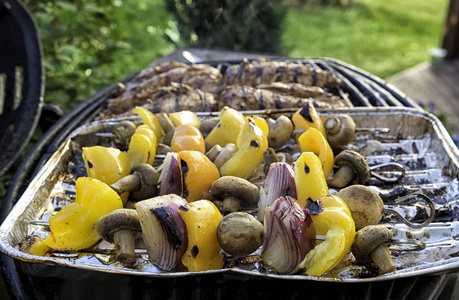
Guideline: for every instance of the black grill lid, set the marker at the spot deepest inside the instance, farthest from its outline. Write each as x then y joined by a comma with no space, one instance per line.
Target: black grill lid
21,80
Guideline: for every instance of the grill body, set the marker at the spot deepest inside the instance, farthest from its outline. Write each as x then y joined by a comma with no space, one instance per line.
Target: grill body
34,280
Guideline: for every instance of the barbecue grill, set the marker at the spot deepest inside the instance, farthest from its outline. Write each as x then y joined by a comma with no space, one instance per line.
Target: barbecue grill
370,100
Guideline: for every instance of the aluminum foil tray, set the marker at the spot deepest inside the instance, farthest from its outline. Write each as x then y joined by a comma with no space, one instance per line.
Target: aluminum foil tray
413,138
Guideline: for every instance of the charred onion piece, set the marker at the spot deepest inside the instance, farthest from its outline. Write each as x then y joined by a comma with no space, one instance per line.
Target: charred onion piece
289,235
164,231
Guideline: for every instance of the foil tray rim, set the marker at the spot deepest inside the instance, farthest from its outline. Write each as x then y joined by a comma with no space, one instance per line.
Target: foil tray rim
440,267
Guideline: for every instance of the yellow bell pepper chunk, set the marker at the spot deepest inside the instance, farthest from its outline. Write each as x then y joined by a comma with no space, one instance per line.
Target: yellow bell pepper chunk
142,147
72,228
106,164
307,117
149,119
187,137
203,253
334,221
185,117
313,141
227,130
252,143
198,174
310,181
261,122
35,245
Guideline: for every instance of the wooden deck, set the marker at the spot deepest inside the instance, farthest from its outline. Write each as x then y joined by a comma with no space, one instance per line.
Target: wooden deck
437,87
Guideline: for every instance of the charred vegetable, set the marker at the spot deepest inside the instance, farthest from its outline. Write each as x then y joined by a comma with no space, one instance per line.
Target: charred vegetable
288,235
164,231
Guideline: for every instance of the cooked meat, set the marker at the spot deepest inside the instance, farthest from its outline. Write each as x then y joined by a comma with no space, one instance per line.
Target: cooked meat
264,71
293,89
168,99
203,77
249,98
156,69
160,76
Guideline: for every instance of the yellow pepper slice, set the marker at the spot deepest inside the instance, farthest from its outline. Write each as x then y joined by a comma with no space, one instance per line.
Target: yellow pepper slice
307,117
72,228
252,143
203,253
185,117
198,174
187,137
150,120
309,178
227,130
106,164
261,122
142,147
314,141
34,245
334,221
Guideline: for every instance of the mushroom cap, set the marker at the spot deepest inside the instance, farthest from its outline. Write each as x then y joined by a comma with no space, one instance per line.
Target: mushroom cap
365,205
239,234
367,239
118,219
148,176
340,130
240,188
357,162
123,132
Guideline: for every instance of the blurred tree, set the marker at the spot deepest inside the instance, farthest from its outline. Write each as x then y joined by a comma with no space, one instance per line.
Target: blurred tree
251,25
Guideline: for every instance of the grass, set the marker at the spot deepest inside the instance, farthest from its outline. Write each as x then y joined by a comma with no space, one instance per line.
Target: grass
382,37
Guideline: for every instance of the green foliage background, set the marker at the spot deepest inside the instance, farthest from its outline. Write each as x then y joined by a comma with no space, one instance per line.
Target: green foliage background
90,44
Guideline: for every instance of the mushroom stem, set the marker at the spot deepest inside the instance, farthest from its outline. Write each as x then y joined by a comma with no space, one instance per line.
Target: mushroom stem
382,258
231,204
342,177
128,183
125,246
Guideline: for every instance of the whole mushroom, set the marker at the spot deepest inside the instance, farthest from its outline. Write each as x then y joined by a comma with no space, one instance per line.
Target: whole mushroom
219,155
239,234
370,245
280,131
122,134
207,125
236,192
141,183
365,205
352,168
340,130
120,227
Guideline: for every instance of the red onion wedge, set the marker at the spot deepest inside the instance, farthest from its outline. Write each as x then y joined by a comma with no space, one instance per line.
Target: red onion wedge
163,230
170,178
280,181
289,235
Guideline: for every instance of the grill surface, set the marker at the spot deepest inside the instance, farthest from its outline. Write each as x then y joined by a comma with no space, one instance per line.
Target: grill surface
361,90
